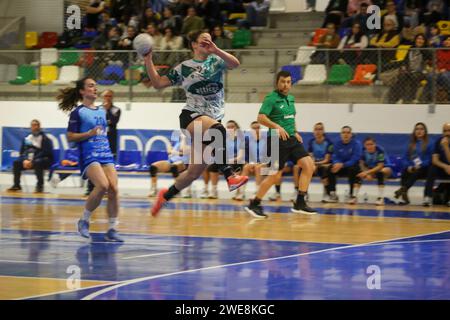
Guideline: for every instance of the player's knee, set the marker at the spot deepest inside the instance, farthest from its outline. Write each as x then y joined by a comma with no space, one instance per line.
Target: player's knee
153,171
102,186
174,170
113,190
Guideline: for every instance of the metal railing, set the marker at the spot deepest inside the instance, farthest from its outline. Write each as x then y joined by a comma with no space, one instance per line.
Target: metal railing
327,75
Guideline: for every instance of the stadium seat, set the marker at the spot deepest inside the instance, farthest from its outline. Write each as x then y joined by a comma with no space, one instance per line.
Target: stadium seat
318,33
25,74
154,156
31,39
87,59
340,74
444,27
364,74
295,71
314,74
47,40
129,159
277,6
67,75
11,72
47,74
132,76
67,58
304,54
48,56
401,53
241,38
111,75
344,32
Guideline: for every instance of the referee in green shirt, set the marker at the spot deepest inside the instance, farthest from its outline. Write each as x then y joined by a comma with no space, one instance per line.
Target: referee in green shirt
278,113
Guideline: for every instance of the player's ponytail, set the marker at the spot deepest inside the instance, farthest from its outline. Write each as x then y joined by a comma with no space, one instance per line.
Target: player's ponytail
68,98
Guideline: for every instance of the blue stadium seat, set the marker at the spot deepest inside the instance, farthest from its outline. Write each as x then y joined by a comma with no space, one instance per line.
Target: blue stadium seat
154,156
295,71
129,159
344,32
111,75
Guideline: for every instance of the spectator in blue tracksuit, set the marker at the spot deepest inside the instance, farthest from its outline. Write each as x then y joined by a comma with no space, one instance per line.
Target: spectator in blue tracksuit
416,163
375,164
321,148
344,162
36,152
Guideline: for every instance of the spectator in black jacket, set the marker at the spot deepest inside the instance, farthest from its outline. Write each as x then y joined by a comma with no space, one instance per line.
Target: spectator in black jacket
112,118
335,12
36,153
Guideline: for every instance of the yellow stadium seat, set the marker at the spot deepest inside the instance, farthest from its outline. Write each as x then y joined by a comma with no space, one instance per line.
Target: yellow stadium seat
444,27
402,51
47,74
31,39
237,16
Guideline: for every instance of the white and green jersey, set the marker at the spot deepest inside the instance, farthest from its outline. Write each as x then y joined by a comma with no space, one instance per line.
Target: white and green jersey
203,83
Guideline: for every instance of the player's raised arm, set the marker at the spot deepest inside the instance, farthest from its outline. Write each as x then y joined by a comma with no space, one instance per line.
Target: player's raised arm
230,60
158,82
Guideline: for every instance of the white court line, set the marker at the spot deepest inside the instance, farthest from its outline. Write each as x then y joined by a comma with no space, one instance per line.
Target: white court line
415,241
149,255
137,280
82,241
21,261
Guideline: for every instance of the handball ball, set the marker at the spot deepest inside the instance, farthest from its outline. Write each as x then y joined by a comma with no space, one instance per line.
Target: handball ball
143,44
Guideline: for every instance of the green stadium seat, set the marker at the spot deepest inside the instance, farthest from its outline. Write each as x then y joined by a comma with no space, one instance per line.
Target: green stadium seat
340,74
241,38
67,58
25,74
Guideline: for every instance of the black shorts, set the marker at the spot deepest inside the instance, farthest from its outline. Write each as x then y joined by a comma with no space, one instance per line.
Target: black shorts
187,116
215,167
290,149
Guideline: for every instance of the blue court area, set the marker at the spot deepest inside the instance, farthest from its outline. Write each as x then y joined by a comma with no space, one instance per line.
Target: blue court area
159,267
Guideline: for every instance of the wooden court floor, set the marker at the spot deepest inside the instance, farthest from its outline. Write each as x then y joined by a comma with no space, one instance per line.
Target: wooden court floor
212,249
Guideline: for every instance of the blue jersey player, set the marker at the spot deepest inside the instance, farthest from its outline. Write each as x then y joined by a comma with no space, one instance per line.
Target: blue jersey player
87,128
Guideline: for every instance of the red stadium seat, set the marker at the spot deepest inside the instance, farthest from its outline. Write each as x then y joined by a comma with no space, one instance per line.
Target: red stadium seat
364,74
47,40
317,35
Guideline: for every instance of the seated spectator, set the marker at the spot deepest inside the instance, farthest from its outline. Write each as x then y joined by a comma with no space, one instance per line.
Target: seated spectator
374,164
210,11
407,34
171,21
416,162
93,11
435,40
36,152
356,40
123,10
393,15
219,38
170,41
335,12
106,22
440,168
330,40
435,12
441,75
192,22
257,13
153,31
177,163
412,12
126,43
360,18
256,144
148,17
108,40
345,162
321,148
412,72
387,38
354,6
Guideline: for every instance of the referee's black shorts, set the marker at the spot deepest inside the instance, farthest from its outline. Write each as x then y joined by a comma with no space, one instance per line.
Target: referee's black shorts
290,149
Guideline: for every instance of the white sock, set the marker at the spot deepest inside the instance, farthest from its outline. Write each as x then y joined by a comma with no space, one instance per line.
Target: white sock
355,192
112,223
380,192
87,215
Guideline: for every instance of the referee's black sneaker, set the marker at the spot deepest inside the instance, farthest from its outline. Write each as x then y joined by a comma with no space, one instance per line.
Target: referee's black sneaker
255,210
302,207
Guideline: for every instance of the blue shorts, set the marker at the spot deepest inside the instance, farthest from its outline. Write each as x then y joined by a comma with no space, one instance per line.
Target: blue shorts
102,162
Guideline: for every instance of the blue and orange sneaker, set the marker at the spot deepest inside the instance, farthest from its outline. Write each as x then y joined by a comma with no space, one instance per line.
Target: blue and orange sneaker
236,181
113,236
160,201
83,228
